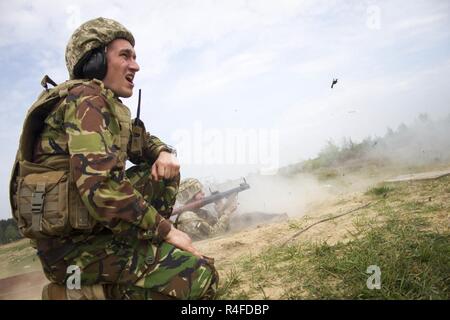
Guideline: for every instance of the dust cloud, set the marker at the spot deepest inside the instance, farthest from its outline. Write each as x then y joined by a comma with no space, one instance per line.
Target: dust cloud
279,194
354,167
425,142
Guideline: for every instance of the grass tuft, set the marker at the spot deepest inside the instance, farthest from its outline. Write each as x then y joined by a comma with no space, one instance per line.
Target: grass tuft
411,250
379,191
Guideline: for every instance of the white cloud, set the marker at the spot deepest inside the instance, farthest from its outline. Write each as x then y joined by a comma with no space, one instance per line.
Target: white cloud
216,76
416,22
327,63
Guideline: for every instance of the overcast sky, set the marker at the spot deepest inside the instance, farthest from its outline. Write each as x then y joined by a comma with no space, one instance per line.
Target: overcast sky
240,86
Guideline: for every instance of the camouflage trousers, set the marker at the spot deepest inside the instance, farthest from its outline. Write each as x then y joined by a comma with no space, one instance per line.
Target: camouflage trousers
129,267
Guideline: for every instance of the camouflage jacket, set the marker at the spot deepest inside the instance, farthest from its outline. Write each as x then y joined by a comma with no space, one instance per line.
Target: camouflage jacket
202,224
92,127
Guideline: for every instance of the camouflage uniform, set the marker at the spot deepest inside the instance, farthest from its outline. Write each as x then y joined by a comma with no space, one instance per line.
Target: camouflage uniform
125,250
200,224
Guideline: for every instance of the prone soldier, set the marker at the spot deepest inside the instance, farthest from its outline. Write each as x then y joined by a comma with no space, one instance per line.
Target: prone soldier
201,223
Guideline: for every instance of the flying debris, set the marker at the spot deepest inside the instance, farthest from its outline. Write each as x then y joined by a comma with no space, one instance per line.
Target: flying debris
334,82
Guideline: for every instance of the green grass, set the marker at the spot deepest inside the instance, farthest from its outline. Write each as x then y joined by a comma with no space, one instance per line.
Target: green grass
379,191
402,240
324,174
21,245
231,283
18,257
414,264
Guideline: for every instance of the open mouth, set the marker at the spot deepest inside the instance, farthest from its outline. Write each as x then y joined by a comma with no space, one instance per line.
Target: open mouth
130,78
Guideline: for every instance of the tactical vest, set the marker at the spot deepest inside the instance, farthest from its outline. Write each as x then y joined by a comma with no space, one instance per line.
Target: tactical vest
44,199
123,114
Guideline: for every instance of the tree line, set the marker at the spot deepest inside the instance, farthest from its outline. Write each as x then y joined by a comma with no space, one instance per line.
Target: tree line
9,231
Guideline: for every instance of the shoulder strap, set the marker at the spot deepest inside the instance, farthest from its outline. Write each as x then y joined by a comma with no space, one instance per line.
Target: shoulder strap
47,80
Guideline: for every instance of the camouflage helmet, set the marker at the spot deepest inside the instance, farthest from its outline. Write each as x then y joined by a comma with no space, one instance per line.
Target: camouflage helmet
188,189
91,35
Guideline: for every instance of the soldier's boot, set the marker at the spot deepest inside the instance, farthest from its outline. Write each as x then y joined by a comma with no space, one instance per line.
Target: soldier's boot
54,291
211,292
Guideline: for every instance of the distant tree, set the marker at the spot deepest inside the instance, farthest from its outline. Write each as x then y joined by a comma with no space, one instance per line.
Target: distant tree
329,153
421,142
11,233
389,132
424,118
347,143
402,128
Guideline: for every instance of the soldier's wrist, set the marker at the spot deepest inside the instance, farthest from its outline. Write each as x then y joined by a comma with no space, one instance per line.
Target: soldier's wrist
167,148
162,230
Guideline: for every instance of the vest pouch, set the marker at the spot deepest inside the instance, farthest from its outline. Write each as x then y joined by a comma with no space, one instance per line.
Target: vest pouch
48,205
43,204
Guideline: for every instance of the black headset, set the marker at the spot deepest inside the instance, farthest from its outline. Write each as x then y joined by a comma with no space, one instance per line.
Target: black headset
92,65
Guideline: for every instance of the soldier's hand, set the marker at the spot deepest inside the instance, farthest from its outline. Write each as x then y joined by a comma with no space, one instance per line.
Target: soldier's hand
166,166
182,241
228,206
231,203
219,205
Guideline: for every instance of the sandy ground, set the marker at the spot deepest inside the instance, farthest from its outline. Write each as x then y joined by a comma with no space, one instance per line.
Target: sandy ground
420,176
225,249
27,286
229,248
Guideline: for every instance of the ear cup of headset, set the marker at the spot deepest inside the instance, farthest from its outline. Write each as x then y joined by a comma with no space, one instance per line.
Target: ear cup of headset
93,65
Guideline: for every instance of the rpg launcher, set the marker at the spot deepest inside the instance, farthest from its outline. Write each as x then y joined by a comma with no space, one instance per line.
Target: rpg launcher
215,196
